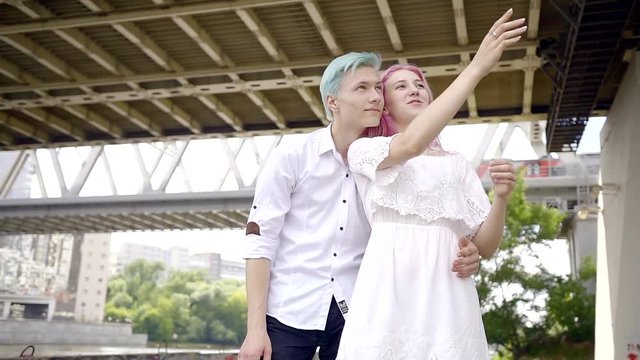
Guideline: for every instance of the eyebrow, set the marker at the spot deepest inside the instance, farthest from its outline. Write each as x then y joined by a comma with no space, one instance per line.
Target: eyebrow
364,82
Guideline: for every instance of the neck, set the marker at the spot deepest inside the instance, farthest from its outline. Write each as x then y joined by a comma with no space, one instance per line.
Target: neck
343,136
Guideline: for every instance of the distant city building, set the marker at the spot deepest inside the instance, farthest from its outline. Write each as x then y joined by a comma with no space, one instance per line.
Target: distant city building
35,264
70,268
130,252
176,258
92,278
233,270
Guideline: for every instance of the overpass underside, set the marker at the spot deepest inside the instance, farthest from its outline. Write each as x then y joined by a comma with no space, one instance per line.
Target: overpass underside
91,72
212,210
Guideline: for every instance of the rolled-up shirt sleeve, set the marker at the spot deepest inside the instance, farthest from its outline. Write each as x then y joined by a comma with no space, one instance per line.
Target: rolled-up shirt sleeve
271,203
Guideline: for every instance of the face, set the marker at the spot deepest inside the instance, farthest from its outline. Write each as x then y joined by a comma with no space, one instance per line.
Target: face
359,102
405,96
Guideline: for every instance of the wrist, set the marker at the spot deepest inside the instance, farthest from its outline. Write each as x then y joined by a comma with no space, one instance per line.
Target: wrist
474,71
256,328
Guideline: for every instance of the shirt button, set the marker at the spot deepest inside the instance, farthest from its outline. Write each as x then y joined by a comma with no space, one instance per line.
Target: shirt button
255,207
334,254
347,175
344,201
341,228
331,279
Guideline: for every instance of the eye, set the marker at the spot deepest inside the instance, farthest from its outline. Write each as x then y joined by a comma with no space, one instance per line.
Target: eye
361,87
420,85
400,86
379,87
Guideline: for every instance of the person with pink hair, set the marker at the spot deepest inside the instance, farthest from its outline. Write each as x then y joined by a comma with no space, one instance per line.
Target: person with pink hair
420,200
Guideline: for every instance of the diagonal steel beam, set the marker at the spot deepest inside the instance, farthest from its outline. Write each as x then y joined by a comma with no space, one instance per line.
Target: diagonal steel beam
232,166
87,166
138,37
179,115
6,139
208,220
23,128
463,39
175,161
461,22
481,151
74,37
222,111
56,123
251,21
287,82
142,14
230,219
533,20
323,26
16,74
390,24
78,40
135,117
265,38
200,36
95,119
38,171
45,57
13,173
55,160
267,107
271,66
107,168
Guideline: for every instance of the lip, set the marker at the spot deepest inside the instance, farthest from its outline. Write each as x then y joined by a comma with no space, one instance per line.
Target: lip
415,101
374,110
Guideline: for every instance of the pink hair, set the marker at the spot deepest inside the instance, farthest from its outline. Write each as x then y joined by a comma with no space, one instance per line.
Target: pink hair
387,126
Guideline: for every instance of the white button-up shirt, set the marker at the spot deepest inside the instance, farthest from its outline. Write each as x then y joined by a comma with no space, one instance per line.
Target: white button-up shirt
313,228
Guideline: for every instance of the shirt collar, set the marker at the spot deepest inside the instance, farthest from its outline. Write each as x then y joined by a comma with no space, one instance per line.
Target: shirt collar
326,141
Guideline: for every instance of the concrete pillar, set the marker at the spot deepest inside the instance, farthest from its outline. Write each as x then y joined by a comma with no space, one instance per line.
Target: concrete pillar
6,310
618,287
51,310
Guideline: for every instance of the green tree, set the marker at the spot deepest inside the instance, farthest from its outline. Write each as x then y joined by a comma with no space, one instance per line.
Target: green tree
525,307
182,282
141,278
187,304
155,320
571,308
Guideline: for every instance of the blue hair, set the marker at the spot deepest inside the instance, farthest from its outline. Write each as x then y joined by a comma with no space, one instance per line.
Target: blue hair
338,67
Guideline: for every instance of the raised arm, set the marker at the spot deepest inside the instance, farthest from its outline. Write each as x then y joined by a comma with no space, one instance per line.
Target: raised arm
428,124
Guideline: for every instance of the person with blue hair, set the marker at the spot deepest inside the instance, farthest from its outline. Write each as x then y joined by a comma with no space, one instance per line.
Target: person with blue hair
307,230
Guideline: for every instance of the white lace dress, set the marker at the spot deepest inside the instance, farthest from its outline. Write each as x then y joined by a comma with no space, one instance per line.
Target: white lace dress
407,303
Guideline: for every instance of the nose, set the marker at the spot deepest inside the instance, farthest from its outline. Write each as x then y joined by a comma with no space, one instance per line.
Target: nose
414,90
375,97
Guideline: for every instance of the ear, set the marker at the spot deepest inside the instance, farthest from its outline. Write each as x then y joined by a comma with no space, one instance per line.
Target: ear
332,103
385,111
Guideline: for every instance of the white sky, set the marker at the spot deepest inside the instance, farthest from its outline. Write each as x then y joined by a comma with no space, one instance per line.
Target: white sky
461,138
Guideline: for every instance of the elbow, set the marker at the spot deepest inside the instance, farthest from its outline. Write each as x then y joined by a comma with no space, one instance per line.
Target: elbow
487,254
411,150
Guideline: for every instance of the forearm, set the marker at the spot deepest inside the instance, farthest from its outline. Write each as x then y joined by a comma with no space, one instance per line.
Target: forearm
489,235
257,278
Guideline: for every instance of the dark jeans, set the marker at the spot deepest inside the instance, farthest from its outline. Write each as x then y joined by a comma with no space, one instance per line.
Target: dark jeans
290,343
